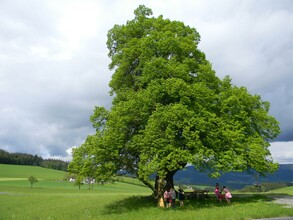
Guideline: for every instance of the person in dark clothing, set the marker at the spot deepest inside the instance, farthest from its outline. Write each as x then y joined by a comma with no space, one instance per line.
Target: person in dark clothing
181,196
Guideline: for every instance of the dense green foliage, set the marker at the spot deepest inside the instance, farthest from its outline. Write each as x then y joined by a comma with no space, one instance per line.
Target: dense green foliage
33,160
32,180
55,164
19,158
170,109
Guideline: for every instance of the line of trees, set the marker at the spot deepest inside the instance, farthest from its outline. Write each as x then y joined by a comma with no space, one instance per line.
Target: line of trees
32,160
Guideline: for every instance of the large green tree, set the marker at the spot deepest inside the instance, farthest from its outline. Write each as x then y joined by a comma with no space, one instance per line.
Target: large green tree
170,109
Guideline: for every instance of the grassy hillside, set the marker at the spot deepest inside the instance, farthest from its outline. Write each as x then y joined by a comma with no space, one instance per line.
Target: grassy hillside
285,190
8,171
51,199
17,176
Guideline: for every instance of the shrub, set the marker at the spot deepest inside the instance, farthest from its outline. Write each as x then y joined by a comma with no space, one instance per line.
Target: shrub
32,180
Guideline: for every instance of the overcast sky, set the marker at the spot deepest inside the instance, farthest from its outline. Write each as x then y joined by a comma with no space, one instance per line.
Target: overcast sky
54,63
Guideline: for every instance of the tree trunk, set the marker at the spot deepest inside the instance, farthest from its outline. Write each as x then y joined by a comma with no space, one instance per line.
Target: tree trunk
169,179
161,185
159,191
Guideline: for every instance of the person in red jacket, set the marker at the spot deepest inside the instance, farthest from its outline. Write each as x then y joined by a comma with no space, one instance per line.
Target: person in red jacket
218,193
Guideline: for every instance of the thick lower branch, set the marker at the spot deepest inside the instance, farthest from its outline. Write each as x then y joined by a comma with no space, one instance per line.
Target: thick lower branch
148,184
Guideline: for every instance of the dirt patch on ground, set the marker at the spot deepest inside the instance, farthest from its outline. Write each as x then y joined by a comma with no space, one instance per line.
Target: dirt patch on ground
287,201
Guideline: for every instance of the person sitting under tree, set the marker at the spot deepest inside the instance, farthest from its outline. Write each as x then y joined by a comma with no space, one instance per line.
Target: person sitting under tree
218,193
167,198
181,196
228,195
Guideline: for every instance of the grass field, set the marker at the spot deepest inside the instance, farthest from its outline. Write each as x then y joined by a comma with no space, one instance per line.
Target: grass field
287,191
51,198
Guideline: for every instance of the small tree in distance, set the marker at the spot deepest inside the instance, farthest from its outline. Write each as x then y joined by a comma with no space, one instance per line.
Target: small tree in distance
78,181
32,180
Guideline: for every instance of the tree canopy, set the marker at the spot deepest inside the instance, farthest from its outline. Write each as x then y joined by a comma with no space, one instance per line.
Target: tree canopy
32,180
170,109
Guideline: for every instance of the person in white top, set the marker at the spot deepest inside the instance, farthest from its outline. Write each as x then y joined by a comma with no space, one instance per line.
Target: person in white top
228,195
173,196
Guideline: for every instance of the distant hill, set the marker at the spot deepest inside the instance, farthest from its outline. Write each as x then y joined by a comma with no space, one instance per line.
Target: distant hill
233,179
9,171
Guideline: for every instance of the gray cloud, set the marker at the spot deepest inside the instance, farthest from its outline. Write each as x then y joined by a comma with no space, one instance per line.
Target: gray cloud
48,87
54,64
253,44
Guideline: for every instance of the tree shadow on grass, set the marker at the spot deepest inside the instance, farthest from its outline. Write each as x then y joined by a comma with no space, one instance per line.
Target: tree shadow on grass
211,201
136,203
129,204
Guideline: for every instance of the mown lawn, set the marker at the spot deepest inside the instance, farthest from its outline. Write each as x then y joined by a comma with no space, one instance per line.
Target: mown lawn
286,191
21,171
122,201
52,198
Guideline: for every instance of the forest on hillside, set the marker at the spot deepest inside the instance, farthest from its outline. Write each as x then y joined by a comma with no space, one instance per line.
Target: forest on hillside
32,160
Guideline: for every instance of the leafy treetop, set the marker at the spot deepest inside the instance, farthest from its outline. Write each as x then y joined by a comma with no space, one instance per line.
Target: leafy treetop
170,109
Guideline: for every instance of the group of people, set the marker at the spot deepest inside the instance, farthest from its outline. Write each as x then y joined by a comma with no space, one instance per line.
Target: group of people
170,197
226,193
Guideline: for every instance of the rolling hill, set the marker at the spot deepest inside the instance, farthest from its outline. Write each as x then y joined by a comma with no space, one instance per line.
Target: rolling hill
22,171
187,176
233,179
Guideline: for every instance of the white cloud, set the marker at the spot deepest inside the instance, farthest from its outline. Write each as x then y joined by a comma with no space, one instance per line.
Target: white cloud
54,64
66,157
282,152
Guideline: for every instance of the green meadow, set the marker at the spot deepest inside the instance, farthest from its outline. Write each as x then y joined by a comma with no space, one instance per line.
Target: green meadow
53,198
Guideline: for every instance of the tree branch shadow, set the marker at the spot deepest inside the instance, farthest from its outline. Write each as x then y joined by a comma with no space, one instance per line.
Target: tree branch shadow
136,203
211,201
133,203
